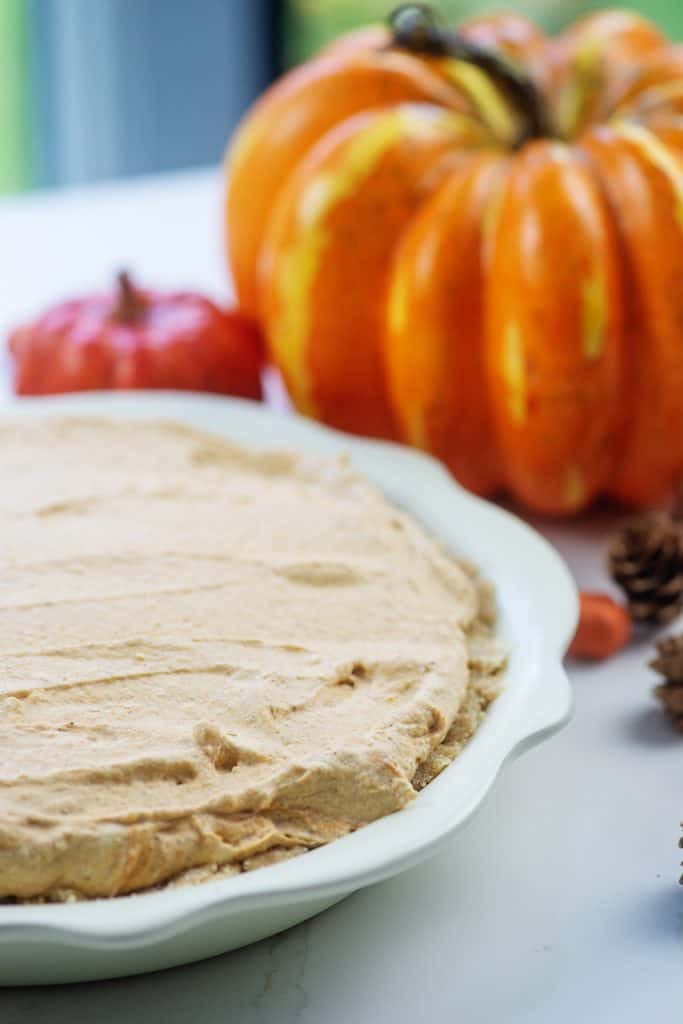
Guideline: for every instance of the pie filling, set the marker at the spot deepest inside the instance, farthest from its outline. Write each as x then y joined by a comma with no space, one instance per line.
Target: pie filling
213,658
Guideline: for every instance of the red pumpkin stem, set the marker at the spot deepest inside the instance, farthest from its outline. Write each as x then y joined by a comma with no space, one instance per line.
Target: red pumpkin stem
415,28
130,304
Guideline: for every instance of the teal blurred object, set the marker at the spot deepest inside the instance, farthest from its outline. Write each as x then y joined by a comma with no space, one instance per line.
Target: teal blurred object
125,87
98,89
310,24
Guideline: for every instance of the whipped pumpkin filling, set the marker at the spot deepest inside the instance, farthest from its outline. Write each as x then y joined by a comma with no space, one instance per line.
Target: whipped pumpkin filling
213,658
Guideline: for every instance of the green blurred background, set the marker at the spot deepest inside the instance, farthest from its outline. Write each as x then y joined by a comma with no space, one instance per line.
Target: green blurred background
100,89
13,113
310,23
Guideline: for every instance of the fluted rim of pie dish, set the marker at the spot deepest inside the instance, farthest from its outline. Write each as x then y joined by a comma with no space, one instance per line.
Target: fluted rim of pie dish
538,614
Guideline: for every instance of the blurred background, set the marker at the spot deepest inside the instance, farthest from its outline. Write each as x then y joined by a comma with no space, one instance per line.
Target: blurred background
100,89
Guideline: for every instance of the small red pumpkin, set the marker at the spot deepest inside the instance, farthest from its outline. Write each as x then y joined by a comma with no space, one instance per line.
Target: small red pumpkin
135,338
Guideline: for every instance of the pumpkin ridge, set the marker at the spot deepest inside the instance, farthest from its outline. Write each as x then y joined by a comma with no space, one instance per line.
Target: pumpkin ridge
434,341
656,153
310,267
299,265
551,350
290,118
653,451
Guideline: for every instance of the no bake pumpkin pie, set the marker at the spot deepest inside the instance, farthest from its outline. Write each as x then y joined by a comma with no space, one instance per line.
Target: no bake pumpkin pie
213,658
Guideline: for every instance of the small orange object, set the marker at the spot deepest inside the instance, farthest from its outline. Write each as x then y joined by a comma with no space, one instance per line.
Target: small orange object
604,627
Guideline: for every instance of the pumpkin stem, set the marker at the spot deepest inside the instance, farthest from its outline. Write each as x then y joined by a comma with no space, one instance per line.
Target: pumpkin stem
130,305
415,27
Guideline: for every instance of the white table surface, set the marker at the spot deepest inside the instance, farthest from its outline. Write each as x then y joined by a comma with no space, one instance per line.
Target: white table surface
559,903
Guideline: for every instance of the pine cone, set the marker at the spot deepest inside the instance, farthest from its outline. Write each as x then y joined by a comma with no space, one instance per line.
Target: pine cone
669,664
646,560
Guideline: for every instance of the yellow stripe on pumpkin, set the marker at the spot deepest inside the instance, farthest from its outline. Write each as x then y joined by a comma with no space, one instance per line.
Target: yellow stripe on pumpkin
593,316
560,152
492,107
657,154
514,373
417,428
397,303
585,79
299,265
490,217
575,487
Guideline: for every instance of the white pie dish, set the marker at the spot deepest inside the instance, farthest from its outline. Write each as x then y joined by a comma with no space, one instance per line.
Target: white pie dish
538,610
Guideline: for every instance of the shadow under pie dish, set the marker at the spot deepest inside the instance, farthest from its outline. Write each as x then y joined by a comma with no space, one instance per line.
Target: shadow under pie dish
214,657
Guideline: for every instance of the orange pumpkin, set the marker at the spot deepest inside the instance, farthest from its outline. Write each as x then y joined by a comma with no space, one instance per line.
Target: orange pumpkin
473,242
